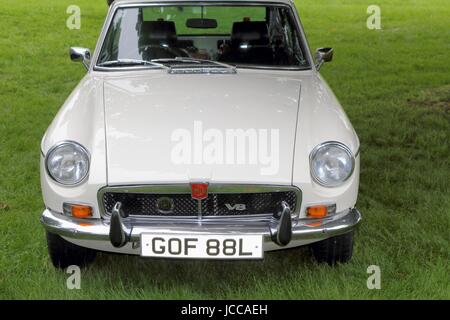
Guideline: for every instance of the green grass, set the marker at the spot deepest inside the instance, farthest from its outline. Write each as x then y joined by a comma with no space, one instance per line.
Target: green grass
395,86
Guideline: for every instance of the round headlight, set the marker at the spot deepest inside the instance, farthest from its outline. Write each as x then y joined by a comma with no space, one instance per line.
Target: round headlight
68,163
331,163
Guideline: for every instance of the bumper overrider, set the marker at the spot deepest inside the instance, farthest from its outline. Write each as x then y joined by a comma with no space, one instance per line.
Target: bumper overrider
280,231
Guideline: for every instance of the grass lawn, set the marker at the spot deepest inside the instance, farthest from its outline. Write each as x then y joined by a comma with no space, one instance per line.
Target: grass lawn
395,86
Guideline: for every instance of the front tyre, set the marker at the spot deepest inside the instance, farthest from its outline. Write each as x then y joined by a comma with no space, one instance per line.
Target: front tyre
63,253
338,249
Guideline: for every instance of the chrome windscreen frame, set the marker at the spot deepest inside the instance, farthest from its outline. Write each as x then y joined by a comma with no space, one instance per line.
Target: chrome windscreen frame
213,188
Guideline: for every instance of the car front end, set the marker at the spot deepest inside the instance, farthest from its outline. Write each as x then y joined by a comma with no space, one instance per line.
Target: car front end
201,145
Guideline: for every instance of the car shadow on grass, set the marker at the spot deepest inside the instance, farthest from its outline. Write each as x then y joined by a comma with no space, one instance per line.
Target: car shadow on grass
211,277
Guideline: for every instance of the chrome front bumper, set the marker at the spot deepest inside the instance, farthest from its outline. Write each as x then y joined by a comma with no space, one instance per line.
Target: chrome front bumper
303,230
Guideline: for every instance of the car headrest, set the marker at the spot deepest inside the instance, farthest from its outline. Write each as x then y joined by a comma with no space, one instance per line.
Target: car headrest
158,32
250,32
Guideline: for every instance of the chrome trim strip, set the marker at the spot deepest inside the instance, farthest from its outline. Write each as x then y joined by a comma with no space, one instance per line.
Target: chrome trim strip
358,151
201,70
144,67
304,39
199,210
185,188
204,219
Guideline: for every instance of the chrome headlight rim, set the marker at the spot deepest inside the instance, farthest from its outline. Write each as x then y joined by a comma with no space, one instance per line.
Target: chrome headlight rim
331,144
62,144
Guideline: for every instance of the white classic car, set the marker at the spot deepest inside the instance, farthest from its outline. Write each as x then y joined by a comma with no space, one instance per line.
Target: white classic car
201,130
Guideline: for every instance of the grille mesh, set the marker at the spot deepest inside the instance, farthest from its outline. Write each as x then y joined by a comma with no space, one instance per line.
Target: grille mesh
217,204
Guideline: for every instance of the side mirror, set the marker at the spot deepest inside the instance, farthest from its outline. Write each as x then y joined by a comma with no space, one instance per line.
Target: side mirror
323,55
81,55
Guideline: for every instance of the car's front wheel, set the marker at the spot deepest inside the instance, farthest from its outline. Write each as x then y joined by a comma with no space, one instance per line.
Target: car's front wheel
338,249
63,253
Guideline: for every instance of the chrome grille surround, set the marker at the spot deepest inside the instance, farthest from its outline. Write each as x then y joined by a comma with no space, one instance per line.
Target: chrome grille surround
187,208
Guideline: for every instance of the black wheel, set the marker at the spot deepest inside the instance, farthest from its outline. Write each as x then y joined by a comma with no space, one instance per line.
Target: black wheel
334,250
63,253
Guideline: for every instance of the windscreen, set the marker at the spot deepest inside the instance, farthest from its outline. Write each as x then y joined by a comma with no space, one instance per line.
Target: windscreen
247,36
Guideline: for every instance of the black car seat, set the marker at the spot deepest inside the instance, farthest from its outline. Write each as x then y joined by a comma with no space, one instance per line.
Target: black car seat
158,39
250,44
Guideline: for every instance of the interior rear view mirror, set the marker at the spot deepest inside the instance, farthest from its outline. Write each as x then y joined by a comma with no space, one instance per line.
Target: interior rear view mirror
201,23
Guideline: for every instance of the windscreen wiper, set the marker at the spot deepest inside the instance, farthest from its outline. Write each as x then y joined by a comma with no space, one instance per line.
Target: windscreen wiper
130,62
193,60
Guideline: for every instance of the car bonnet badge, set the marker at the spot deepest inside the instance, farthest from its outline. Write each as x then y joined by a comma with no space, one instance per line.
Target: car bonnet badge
199,190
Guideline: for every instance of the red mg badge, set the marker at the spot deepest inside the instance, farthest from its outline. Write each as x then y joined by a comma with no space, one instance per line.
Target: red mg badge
199,191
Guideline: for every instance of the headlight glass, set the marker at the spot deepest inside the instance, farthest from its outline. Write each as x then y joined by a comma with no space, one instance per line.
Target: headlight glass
332,163
68,163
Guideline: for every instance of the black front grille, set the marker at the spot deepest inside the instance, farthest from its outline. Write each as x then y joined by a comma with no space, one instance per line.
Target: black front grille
217,204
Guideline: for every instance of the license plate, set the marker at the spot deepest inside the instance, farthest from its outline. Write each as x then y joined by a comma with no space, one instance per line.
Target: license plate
202,246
